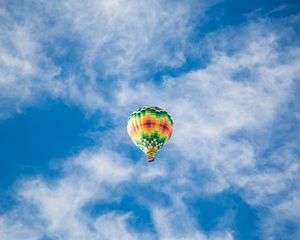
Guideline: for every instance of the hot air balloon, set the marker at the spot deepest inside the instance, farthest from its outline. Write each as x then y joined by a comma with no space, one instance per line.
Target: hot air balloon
150,128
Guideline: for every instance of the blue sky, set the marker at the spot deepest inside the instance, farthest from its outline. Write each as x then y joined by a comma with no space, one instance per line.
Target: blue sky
72,72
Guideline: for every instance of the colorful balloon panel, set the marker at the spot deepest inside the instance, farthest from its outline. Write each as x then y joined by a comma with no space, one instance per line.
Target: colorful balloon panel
150,128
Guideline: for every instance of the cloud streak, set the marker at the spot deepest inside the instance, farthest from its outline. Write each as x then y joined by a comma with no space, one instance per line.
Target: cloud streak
225,116
79,56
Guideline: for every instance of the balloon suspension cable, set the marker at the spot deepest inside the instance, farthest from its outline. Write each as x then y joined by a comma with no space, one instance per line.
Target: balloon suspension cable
150,159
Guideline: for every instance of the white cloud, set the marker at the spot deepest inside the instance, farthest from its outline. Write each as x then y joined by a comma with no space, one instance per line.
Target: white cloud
173,223
25,71
121,35
239,94
222,114
284,217
176,223
9,229
56,208
63,51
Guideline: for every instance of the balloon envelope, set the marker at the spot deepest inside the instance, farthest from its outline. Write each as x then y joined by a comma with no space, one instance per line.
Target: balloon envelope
150,128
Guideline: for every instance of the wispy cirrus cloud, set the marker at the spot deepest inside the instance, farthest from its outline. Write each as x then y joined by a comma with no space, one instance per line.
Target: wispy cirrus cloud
59,208
78,52
25,71
224,115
